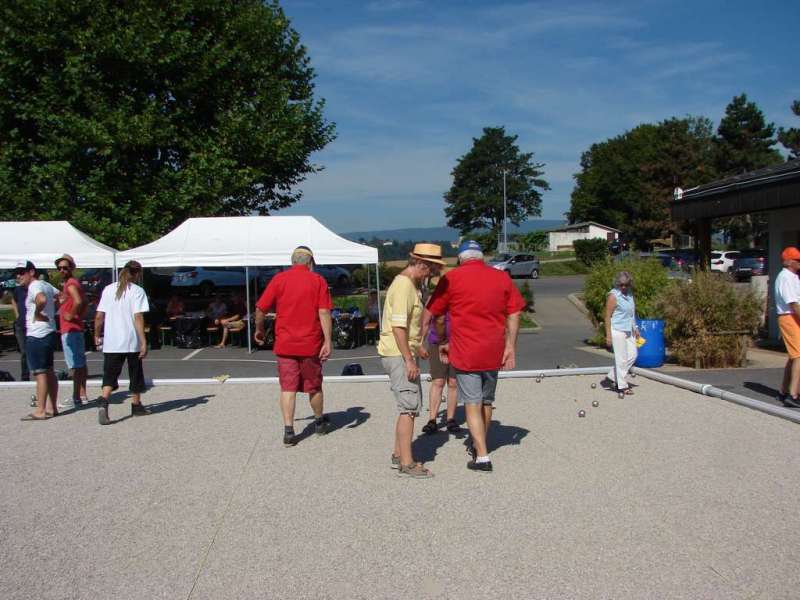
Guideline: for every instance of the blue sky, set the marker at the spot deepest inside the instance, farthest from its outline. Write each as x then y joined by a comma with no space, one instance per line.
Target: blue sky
410,83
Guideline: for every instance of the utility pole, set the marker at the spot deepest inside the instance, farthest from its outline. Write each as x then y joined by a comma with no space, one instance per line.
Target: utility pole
505,221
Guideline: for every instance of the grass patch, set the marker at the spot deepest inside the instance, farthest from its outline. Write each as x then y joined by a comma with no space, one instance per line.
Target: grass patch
526,321
556,254
572,267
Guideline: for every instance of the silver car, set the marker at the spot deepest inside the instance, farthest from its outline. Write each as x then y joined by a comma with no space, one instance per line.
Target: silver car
517,265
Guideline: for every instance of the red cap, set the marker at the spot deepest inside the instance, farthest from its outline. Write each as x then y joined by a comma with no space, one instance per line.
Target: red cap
790,253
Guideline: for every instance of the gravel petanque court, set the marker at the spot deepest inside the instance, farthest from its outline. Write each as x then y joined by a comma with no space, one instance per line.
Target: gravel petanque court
665,494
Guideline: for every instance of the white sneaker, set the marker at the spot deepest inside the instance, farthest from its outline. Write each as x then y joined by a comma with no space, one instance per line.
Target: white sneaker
69,403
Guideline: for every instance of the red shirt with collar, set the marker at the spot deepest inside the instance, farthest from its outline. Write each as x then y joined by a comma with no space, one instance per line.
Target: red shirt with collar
478,298
68,306
297,295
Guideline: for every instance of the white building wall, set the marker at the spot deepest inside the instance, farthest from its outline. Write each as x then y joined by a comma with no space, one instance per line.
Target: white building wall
558,240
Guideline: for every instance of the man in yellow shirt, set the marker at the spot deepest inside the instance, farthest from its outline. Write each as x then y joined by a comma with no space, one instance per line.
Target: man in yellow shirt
400,347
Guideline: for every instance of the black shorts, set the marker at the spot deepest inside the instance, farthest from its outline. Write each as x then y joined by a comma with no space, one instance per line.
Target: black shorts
112,367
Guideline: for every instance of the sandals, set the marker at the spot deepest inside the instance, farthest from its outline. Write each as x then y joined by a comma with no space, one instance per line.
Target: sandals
628,391
415,471
33,417
395,464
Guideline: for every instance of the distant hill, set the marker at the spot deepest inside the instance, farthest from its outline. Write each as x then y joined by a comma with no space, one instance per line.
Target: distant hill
420,234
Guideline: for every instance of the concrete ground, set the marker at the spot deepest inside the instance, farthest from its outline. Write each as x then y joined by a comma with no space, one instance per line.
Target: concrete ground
665,494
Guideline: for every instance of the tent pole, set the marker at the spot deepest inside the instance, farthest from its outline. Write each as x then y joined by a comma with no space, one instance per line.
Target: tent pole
378,287
247,299
368,273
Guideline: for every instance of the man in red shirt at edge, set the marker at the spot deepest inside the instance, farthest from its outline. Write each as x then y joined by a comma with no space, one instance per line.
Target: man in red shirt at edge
484,306
302,336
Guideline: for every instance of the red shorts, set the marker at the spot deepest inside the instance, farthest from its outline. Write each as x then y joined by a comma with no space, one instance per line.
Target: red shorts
300,374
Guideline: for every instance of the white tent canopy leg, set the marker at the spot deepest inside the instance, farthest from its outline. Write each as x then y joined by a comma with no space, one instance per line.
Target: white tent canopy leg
247,300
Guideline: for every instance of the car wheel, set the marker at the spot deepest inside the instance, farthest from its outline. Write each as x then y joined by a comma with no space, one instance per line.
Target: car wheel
534,274
206,289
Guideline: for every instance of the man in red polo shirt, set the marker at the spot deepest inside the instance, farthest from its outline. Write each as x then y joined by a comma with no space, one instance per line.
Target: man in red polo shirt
302,336
484,306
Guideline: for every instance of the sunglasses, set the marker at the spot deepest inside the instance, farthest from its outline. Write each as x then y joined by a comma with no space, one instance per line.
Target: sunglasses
63,267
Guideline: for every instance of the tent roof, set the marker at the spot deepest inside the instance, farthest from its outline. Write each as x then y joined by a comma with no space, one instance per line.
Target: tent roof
247,241
42,242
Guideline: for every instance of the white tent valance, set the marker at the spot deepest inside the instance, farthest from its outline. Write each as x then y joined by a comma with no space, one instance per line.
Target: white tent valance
248,241
42,242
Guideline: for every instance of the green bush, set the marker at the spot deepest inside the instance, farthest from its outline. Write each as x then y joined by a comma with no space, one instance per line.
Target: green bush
697,312
591,251
649,280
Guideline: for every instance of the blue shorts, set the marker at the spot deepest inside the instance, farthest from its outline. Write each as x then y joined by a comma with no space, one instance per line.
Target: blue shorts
39,352
74,349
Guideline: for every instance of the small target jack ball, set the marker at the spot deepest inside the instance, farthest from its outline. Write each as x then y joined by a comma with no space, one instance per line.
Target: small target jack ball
595,404
581,413
594,386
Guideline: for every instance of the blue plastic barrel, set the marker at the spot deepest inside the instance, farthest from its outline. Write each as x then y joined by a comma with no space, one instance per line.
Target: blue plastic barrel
653,352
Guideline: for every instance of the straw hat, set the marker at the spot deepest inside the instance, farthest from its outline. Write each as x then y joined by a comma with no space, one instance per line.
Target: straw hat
428,252
67,258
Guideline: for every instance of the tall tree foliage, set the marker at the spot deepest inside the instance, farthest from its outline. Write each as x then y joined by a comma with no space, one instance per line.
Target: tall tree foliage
790,138
475,200
126,117
745,141
627,182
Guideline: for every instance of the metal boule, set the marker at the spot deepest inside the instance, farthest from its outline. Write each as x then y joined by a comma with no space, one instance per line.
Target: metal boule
595,404
594,386
581,413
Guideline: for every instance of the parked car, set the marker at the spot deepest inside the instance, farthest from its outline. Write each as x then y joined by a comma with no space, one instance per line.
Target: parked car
685,258
750,262
722,261
95,280
516,265
205,280
7,279
335,276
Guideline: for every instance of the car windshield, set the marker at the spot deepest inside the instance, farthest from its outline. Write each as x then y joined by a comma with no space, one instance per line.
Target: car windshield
716,255
500,258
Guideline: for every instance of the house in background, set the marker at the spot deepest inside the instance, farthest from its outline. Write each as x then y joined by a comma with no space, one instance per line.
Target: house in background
563,237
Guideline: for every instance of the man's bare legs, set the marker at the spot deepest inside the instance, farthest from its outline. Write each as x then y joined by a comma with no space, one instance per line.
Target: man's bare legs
452,398
316,401
476,421
41,394
435,398
288,401
404,432
52,390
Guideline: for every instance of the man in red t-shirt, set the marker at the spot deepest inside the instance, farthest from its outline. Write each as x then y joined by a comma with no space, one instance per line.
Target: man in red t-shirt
71,311
302,336
484,306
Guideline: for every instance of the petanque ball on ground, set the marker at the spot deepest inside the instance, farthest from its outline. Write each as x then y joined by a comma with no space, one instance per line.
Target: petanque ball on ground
594,386
538,380
581,413
633,374
595,404
620,395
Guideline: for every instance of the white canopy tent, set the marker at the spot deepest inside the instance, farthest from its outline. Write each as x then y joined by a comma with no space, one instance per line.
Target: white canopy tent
249,242
42,242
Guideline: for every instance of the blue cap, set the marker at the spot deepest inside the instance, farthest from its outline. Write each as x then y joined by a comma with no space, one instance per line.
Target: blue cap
469,245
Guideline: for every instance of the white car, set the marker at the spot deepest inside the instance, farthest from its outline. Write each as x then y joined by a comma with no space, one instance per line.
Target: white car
723,261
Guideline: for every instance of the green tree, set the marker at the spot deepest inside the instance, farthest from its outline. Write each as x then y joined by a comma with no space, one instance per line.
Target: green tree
627,182
790,138
745,141
475,200
533,241
128,117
